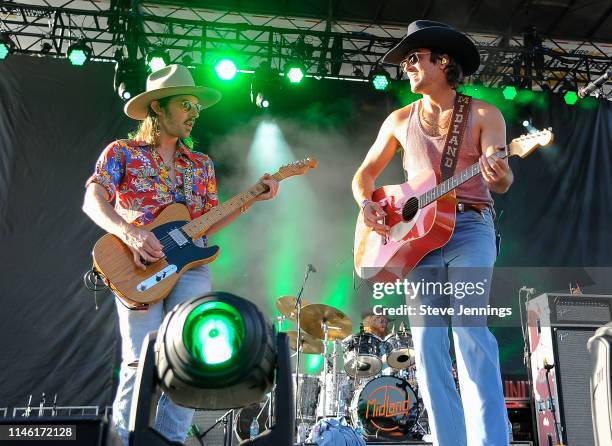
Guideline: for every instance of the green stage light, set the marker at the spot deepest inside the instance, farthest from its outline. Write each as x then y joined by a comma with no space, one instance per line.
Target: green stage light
215,351
379,79
570,97
213,333
295,75
78,53
157,59
295,72
509,92
380,82
4,50
226,69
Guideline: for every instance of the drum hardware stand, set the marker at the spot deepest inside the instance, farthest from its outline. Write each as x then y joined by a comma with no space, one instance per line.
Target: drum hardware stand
325,366
226,418
298,310
28,411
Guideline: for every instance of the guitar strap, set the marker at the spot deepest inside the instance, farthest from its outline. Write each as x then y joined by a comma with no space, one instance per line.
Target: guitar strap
454,137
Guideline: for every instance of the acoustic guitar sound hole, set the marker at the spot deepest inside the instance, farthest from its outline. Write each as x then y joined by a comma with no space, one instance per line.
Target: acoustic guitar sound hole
410,209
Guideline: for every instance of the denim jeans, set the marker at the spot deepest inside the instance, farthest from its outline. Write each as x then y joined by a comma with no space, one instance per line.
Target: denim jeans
172,421
478,417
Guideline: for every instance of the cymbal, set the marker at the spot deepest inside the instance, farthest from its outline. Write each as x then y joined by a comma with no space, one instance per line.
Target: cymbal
286,305
310,344
340,326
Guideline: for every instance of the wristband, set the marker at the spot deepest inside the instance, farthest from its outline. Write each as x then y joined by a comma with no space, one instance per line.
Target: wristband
365,202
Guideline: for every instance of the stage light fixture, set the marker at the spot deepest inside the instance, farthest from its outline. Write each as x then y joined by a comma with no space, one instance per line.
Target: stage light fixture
509,92
570,97
264,86
218,341
379,78
295,72
226,69
79,53
130,78
216,351
157,59
6,46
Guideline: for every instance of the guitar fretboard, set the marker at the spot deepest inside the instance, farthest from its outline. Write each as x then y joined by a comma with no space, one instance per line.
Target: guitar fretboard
198,227
456,180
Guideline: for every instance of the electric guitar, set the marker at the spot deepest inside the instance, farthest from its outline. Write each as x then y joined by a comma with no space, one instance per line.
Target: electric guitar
421,215
174,228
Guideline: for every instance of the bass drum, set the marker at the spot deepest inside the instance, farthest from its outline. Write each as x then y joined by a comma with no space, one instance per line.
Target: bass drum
387,407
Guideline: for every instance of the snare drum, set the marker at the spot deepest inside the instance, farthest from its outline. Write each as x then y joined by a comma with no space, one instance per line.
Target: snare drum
308,397
363,355
387,407
399,350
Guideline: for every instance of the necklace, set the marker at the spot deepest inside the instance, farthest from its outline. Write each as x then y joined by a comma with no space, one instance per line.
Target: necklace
434,128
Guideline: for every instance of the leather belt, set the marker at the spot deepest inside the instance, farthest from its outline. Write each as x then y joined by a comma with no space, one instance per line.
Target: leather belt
462,207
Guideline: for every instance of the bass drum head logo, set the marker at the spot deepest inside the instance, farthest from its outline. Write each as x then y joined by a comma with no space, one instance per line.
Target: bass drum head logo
387,407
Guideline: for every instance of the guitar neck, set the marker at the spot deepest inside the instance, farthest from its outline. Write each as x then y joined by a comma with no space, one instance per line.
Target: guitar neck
198,227
455,181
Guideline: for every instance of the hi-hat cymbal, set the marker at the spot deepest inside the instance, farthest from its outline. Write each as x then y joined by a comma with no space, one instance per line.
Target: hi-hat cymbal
310,344
286,305
338,323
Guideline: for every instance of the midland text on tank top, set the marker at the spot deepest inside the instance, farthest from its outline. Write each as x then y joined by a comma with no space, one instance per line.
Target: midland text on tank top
422,152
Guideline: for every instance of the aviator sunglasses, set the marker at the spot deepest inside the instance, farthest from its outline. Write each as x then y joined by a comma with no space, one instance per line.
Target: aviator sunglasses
187,106
411,60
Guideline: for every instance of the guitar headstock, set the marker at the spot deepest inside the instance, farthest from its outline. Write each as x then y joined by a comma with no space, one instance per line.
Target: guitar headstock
525,144
298,167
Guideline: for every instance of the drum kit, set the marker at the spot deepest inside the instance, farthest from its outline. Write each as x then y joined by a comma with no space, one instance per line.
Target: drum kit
366,379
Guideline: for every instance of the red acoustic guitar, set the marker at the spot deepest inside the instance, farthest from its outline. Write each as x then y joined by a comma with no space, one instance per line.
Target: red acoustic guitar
421,215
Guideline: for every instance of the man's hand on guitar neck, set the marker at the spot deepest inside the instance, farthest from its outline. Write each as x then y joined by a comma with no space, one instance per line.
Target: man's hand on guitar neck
143,244
495,171
372,213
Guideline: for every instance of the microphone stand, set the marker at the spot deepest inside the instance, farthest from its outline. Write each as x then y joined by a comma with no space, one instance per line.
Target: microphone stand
298,342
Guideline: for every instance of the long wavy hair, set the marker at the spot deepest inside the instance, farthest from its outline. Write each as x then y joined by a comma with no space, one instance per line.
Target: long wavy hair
148,129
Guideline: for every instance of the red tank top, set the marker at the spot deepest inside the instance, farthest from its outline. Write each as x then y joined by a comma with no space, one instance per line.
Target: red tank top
422,151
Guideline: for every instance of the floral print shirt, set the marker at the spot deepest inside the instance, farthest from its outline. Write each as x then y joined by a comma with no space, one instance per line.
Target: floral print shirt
138,182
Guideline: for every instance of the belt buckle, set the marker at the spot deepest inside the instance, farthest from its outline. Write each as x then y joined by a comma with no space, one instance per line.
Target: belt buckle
460,207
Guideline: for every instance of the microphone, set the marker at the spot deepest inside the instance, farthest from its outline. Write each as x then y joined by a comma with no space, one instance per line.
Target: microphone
592,86
311,268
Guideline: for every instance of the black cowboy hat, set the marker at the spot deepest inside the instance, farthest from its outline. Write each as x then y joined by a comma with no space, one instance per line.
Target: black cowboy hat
437,36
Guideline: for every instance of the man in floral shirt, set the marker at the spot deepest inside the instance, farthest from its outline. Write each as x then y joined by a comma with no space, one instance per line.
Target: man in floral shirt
141,176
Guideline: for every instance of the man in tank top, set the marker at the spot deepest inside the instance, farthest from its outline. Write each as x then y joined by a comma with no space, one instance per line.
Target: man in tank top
435,58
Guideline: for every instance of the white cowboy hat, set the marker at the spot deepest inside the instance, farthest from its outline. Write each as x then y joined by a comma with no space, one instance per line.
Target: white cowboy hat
169,81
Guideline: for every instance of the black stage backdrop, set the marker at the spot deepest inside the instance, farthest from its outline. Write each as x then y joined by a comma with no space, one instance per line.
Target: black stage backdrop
54,121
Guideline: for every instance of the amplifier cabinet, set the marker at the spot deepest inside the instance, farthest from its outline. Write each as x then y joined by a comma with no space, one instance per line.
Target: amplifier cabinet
559,327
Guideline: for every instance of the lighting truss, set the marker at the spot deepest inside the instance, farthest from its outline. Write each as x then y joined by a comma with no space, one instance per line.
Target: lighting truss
328,48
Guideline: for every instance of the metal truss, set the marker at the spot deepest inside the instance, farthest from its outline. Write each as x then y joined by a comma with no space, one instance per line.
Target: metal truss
129,28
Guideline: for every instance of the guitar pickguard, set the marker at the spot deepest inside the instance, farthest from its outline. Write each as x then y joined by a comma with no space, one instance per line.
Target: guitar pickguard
402,228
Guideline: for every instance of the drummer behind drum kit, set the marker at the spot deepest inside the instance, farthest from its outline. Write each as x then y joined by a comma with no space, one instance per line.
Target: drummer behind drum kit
375,389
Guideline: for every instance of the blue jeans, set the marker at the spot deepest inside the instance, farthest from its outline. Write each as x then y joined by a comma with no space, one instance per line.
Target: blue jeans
479,416
172,421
